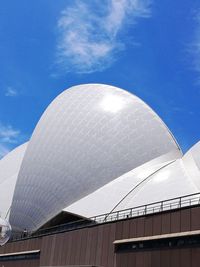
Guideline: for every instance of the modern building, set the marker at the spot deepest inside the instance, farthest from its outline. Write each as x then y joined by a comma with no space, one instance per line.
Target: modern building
101,182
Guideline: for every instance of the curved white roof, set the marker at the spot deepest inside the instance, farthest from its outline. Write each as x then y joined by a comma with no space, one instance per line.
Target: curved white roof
9,169
88,136
192,163
170,182
157,180
108,198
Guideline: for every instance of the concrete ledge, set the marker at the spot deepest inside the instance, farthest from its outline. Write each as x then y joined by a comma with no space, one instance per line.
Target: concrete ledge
154,237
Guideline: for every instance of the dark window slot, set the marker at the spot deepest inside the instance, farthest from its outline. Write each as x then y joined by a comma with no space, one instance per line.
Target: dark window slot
167,243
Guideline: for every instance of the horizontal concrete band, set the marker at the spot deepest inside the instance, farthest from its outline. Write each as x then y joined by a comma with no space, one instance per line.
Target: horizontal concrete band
146,238
20,253
74,266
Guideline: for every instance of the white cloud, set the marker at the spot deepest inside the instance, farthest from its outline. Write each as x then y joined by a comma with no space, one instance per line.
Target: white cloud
9,137
194,48
10,91
8,134
89,32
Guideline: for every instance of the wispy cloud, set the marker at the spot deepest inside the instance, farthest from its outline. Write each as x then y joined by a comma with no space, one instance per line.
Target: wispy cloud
11,92
90,32
194,47
8,134
9,137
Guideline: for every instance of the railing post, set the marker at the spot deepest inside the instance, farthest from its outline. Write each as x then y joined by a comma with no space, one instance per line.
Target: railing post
161,206
145,210
180,202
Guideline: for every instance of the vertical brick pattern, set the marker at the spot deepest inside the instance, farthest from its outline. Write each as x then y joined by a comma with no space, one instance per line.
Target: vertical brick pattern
94,245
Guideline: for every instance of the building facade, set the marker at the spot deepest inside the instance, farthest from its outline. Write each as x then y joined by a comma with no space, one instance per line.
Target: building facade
98,149
167,238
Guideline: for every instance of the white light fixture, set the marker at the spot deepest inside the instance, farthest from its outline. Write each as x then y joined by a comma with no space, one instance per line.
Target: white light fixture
5,231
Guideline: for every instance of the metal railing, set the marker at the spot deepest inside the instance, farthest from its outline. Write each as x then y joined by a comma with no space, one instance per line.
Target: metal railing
156,207
165,205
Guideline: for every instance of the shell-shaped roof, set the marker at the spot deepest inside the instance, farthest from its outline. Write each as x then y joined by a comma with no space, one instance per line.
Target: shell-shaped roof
9,170
88,136
157,180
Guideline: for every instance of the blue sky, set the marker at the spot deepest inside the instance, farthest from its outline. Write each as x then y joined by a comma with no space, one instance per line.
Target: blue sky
150,48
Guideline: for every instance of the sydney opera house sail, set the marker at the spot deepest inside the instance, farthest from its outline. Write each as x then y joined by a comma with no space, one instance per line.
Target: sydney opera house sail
96,149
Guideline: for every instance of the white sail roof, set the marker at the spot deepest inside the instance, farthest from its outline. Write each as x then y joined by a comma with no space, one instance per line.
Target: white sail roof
89,136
